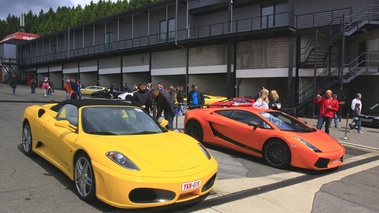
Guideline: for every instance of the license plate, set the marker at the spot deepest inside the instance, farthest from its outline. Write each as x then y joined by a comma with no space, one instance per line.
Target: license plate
336,161
191,185
366,120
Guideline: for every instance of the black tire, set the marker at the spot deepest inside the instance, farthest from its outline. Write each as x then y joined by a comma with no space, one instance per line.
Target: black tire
84,178
194,129
277,154
27,139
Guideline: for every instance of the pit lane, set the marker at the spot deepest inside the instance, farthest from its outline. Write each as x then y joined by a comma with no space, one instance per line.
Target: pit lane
26,182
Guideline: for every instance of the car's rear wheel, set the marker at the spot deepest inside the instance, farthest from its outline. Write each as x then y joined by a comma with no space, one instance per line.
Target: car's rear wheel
193,128
27,139
84,178
277,154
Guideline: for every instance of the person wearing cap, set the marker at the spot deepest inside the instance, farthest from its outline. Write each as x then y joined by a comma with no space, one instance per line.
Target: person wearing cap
67,88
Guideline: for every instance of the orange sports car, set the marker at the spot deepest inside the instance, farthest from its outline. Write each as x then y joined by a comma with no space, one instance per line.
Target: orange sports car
280,139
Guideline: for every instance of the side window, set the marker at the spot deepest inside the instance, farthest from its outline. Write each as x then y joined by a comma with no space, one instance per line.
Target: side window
68,112
225,113
245,117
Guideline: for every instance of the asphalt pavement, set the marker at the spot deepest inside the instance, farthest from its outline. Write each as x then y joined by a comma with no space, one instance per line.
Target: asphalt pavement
351,188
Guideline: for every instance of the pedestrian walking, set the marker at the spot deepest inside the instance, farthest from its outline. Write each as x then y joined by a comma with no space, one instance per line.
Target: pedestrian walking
357,122
67,88
356,100
327,109
13,85
45,87
180,100
335,116
33,85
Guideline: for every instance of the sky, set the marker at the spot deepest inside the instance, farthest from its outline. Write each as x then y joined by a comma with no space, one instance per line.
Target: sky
16,7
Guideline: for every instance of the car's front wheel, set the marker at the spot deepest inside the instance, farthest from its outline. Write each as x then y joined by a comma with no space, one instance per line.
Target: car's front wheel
27,139
193,128
84,178
277,154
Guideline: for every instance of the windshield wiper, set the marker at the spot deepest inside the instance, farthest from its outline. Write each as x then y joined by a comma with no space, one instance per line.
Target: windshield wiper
102,133
144,132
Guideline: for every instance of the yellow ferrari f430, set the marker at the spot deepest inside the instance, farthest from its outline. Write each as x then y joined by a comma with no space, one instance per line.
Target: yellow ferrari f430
117,153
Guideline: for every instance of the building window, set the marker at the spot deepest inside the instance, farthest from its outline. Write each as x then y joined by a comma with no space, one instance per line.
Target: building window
274,15
108,39
53,51
167,30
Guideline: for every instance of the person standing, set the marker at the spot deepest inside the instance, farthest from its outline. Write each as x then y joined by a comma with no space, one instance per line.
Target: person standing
195,98
274,102
67,88
13,85
180,99
335,116
328,107
142,97
357,123
165,103
262,101
78,87
356,100
45,87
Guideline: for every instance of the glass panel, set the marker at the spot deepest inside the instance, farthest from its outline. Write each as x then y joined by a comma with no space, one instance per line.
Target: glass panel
171,29
267,16
281,15
162,31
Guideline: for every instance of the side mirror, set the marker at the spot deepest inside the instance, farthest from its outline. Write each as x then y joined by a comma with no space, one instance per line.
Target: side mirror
163,123
255,124
65,124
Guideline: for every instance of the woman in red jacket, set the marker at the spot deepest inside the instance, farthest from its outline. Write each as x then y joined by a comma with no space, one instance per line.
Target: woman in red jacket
328,106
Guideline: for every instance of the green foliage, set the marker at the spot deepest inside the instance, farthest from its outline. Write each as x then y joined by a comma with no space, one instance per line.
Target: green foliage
64,17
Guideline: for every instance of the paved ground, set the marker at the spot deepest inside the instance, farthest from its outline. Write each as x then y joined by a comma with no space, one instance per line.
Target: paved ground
352,188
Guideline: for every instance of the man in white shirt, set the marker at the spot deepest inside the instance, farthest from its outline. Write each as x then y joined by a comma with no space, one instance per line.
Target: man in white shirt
356,100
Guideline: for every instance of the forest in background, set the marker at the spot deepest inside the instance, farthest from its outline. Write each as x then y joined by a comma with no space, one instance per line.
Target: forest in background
46,23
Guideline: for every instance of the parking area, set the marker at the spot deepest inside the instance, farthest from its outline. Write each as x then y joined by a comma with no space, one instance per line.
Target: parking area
243,182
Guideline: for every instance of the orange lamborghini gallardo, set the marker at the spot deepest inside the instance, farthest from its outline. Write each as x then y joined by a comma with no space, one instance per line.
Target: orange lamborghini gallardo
280,139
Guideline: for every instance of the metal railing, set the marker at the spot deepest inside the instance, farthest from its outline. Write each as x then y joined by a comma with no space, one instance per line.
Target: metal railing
223,28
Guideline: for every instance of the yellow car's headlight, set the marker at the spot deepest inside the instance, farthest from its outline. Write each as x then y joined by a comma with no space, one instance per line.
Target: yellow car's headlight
205,151
122,160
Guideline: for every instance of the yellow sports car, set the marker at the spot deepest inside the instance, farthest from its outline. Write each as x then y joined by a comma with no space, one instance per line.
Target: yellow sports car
117,153
210,99
90,89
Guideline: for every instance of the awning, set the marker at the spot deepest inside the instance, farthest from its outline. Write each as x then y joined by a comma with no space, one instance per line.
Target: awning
20,36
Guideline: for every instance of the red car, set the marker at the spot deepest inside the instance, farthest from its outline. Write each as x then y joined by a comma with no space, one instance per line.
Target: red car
234,102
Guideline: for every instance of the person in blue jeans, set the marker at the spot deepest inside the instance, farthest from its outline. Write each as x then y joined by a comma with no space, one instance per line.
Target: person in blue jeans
335,117
357,123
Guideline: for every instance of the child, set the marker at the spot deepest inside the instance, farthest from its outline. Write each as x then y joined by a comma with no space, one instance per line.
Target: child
356,123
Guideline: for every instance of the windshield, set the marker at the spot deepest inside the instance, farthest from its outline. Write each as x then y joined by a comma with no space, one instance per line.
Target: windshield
118,121
285,122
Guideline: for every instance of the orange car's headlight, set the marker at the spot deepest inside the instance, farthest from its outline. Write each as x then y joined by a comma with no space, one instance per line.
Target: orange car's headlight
309,145
122,160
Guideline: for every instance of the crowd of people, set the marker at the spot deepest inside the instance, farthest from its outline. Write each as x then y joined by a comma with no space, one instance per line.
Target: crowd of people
171,100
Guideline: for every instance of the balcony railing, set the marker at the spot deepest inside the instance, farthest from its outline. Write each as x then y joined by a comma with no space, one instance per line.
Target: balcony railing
217,29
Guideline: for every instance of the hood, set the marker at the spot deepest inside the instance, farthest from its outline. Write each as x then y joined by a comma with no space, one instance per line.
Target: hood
167,152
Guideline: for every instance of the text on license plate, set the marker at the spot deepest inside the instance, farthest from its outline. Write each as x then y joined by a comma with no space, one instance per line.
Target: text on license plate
191,185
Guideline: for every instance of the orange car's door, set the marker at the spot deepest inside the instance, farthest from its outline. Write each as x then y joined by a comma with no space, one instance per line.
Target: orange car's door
232,127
